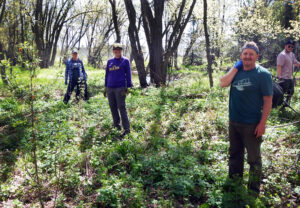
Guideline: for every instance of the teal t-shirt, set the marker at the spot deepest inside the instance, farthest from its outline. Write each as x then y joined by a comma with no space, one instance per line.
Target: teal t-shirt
246,94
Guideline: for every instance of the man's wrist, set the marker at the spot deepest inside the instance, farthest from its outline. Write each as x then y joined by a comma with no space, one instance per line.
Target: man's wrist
235,69
262,122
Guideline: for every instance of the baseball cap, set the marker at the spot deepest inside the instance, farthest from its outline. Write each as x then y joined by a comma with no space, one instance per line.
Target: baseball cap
290,42
117,46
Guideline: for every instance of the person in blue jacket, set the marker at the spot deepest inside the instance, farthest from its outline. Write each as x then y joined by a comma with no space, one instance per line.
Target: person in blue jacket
77,77
117,82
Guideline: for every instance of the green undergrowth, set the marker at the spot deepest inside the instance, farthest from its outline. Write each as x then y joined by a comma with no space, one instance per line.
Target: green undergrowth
175,156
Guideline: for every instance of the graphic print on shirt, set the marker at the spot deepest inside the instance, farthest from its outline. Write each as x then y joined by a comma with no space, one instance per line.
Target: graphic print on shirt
76,65
240,84
114,68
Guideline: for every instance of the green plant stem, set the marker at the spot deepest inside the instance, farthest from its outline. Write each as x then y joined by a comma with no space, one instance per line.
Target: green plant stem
34,141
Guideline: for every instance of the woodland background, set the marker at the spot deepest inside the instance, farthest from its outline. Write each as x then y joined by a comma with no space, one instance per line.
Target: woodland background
57,155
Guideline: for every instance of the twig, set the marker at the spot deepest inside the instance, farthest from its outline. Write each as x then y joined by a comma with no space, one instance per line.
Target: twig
273,127
34,139
58,177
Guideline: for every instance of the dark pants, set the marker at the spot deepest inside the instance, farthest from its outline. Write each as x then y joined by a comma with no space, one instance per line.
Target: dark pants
116,98
242,136
78,85
288,88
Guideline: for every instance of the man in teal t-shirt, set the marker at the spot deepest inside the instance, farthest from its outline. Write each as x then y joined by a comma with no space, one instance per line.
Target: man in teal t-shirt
246,94
250,104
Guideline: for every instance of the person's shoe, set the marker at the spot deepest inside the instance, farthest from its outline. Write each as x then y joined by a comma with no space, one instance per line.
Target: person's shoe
118,127
124,133
87,101
66,99
86,98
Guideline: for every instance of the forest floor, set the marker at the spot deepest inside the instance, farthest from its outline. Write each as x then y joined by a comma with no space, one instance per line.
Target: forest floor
175,156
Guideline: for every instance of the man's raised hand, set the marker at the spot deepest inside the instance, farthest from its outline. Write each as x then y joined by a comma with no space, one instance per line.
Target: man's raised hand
238,65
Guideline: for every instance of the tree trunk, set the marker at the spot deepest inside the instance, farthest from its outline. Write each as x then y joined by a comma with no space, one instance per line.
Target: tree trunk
176,60
91,42
115,20
81,30
208,55
159,70
222,32
2,68
136,50
3,75
53,55
288,7
47,27
12,42
152,23
153,30
187,52
95,58
22,22
54,47
1,49
2,7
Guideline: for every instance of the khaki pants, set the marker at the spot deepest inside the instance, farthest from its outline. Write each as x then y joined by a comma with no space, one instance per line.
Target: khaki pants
242,136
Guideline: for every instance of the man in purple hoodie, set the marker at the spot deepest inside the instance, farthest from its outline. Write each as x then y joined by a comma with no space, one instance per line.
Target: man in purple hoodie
117,82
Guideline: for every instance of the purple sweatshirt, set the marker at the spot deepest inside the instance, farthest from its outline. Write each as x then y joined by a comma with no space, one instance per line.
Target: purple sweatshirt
118,73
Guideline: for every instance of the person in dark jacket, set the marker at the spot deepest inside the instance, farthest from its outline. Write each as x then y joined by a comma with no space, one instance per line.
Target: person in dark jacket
77,77
117,82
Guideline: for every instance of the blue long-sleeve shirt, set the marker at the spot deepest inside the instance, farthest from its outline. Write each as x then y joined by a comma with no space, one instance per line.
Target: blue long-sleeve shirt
118,73
74,70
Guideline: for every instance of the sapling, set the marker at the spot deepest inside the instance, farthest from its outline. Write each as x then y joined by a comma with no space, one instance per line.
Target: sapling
27,59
